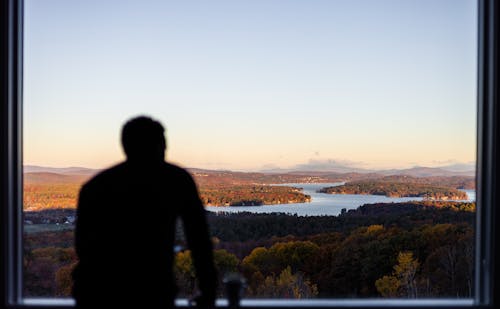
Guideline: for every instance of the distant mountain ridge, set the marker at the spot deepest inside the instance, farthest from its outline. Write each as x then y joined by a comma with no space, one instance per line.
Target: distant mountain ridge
47,177
60,170
421,171
417,171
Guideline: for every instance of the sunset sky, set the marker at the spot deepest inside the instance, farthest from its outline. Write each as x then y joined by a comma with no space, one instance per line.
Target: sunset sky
255,84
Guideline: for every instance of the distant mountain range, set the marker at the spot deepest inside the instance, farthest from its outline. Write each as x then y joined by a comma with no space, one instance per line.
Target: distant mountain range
60,170
49,177
417,171
420,171
306,169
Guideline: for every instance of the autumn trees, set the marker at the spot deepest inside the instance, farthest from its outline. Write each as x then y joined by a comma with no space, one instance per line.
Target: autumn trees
282,270
39,197
401,283
398,189
381,250
250,195
225,263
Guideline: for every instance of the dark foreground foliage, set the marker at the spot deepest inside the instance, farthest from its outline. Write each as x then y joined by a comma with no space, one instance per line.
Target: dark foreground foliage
422,249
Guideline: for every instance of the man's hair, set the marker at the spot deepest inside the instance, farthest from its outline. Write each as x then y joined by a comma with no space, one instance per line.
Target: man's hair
143,137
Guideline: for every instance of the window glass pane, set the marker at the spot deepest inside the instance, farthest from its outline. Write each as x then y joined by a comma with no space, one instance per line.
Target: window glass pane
333,142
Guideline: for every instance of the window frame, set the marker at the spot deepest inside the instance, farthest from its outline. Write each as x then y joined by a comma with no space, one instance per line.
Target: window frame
488,133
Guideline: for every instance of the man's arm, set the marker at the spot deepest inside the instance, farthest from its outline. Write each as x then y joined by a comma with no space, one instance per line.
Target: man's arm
81,213
81,243
198,239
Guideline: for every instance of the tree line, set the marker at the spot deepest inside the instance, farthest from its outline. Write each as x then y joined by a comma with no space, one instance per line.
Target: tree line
378,250
397,189
251,195
39,197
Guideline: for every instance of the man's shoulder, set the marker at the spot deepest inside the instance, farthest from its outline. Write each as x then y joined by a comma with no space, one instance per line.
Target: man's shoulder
105,176
175,169
177,173
121,172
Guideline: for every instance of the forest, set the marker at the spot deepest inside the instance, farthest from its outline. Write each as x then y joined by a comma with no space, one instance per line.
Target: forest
401,188
64,196
219,190
251,195
408,250
226,188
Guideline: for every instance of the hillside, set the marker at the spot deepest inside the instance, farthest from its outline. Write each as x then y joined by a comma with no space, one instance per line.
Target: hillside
53,178
401,187
46,189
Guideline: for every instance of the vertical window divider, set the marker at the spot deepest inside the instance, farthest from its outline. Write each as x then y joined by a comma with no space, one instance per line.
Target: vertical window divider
487,151
12,154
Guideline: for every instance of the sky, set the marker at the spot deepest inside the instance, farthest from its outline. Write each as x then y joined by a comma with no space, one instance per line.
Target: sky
255,84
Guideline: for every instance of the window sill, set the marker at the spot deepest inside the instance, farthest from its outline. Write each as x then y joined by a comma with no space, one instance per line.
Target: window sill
310,303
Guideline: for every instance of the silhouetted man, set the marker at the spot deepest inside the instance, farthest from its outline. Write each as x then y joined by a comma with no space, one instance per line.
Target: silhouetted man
125,228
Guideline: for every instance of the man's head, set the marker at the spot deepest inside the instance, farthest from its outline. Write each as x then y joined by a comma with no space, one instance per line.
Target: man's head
143,140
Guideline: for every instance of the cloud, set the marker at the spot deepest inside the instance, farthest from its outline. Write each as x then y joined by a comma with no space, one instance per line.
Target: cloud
270,167
445,162
333,165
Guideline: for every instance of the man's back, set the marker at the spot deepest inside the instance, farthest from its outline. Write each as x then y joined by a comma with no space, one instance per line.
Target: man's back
125,235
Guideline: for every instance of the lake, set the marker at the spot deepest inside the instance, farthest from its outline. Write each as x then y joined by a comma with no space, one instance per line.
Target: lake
323,204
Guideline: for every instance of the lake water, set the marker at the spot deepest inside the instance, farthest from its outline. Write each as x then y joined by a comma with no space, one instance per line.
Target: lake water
323,204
